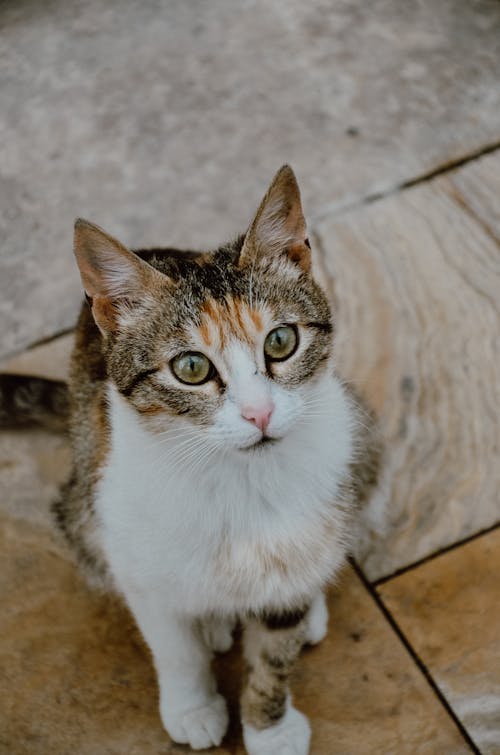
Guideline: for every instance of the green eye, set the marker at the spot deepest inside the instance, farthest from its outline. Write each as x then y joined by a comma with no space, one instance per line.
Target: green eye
192,368
281,343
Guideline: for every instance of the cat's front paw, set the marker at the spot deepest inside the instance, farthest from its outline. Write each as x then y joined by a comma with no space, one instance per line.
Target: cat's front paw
290,736
316,621
199,727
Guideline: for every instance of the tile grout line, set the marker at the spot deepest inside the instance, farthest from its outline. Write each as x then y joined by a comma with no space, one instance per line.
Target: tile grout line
337,209
451,165
447,549
41,342
53,337
414,656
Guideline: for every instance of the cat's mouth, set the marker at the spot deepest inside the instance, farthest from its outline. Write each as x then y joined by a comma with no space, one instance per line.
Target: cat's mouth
263,442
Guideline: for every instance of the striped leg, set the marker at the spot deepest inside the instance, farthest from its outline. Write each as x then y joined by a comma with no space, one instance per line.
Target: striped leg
271,725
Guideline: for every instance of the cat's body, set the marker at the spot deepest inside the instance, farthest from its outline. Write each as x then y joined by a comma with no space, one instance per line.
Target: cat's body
227,498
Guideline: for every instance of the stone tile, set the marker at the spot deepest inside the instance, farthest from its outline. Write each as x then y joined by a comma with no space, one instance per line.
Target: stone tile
164,122
75,677
417,283
73,670
477,188
449,608
32,466
49,360
362,691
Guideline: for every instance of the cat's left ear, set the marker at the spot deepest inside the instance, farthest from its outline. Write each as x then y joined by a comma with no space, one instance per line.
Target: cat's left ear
279,226
114,278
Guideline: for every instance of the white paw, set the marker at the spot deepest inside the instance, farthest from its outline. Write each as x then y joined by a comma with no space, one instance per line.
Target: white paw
218,634
200,727
317,621
290,736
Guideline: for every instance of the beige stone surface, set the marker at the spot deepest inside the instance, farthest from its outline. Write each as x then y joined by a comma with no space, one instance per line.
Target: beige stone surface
33,464
476,187
49,360
363,693
417,281
449,608
163,122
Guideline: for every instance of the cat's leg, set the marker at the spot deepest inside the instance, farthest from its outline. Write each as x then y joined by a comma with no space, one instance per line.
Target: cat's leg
271,725
191,709
218,633
316,620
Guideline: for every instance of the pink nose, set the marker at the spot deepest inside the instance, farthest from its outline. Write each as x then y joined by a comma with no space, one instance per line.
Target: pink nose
259,416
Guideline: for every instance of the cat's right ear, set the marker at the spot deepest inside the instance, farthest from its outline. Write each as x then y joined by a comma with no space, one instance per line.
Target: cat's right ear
113,277
279,227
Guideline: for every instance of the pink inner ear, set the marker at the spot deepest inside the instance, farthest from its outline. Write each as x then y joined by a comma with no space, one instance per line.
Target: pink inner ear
105,314
279,225
300,253
111,274
108,269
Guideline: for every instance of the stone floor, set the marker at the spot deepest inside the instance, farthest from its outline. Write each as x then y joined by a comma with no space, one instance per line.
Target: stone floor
391,118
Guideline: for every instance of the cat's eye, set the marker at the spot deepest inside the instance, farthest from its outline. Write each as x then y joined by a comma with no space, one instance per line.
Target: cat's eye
281,343
192,368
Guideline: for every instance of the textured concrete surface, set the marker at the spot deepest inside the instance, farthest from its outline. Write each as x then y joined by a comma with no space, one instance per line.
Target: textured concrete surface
163,122
449,608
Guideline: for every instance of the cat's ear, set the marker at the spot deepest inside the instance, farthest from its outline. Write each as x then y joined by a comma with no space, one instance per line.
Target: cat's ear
115,280
279,226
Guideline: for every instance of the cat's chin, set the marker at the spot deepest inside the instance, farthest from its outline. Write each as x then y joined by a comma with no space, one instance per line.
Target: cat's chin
264,443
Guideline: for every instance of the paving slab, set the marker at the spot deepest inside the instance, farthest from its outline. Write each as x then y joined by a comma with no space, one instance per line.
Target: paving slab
163,122
33,464
50,360
449,609
417,279
476,187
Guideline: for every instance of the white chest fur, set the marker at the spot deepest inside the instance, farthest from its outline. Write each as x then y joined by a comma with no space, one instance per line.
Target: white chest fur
242,531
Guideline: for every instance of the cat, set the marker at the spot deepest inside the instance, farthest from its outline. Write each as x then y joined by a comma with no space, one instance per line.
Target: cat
218,460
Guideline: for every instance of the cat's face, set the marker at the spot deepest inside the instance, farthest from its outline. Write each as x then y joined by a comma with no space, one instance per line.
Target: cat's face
230,344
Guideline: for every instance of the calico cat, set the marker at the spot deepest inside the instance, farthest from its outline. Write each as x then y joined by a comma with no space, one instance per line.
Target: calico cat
218,461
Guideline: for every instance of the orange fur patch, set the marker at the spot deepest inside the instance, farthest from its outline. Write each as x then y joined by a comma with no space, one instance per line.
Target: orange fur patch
257,319
231,318
205,333
152,409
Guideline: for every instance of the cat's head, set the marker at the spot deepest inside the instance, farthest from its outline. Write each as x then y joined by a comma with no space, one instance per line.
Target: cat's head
230,343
